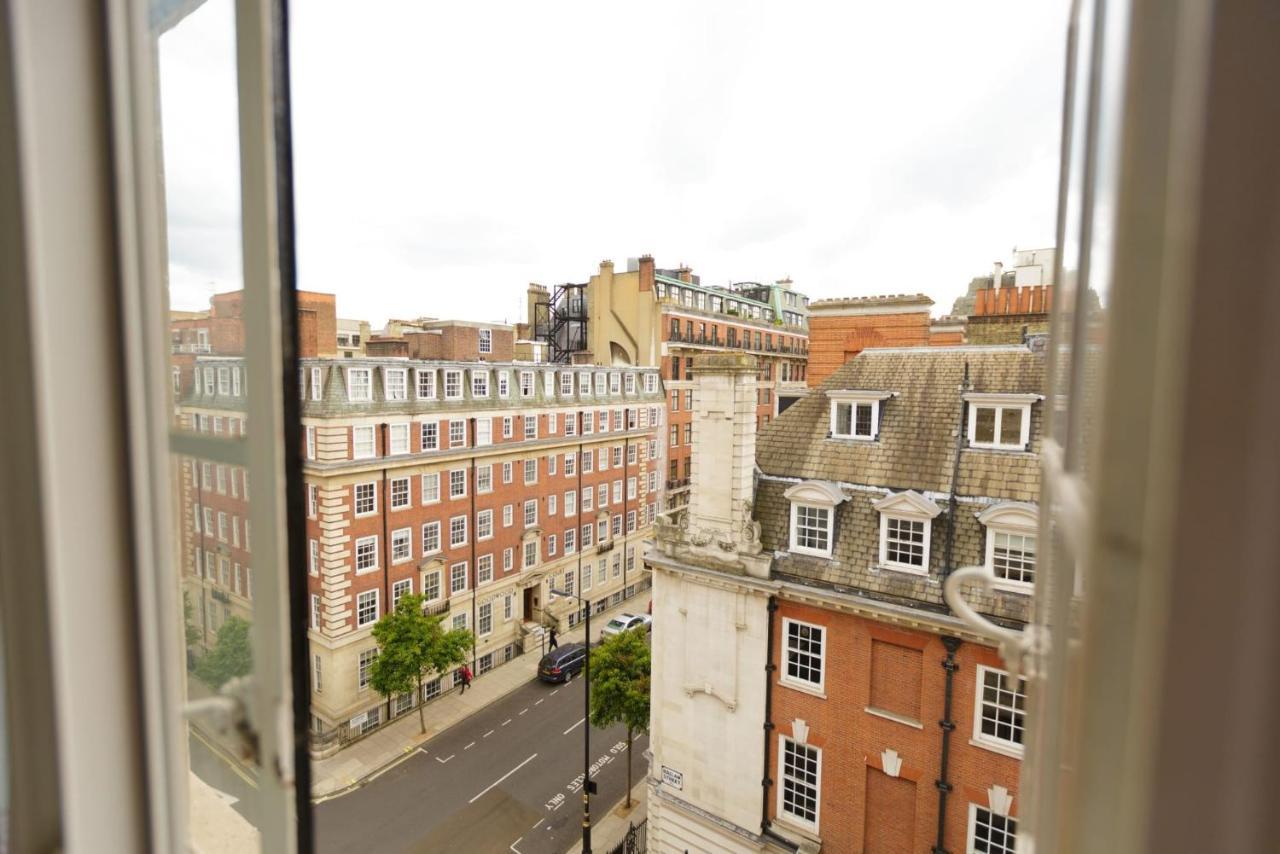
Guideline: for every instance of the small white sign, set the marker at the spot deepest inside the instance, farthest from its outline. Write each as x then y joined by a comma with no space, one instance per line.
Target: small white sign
672,778
358,720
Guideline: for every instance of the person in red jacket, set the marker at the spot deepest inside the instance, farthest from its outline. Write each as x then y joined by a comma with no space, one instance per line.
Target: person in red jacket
466,679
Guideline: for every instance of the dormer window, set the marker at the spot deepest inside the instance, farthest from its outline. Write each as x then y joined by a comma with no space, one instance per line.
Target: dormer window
856,414
1011,544
453,384
359,384
813,516
906,519
1000,421
395,383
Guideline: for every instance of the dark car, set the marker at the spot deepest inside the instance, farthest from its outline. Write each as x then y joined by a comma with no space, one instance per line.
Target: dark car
562,663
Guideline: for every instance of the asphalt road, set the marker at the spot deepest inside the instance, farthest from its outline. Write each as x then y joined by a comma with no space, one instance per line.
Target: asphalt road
508,778
235,782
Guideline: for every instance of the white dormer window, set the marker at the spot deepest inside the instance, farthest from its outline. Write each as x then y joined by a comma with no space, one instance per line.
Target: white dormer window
526,383
856,414
629,383
813,516
650,383
600,380
566,384
1011,544
615,382
359,384
453,384
504,384
549,384
584,382
395,383
479,383
486,340
906,519
1001,421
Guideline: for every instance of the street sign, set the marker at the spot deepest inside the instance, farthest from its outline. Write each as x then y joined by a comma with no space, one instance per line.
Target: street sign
672,778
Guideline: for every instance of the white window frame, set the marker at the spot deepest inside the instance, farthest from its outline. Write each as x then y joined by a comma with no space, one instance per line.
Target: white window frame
433,526
431,580
426,385
479,383
355,499
484,569
408,493
356,442
484,525
360,606
784,779
804,684
484,479
992,742
395,383
430,488
453,381
399,589
402,536
1011,519
360,391
1011,829
909,506
458,570
526,384
854,398
1000,402
458,543
458,431
430,429
484,342
370,541
398,438
813,495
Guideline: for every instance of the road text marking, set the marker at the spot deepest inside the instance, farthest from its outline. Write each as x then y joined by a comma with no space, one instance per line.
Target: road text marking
502,779
514,844
575,726
442,761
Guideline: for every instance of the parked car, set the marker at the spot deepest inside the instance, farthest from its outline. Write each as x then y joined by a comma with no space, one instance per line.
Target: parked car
625,623
562,663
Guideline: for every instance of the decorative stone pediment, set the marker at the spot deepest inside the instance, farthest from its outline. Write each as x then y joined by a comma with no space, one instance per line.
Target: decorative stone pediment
908,503
1011,514
999,800
800,731
431,563
891,762
822,492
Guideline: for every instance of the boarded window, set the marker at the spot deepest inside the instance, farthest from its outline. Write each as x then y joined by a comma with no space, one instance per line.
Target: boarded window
895,679
890,823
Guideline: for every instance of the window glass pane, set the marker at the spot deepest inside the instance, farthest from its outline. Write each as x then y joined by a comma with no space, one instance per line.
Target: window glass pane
1010,426
984,428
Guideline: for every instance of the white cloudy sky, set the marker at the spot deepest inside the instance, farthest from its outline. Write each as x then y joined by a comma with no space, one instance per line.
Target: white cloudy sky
447,154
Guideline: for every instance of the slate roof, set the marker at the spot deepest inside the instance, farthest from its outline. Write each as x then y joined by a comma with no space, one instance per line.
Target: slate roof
916,445
915,450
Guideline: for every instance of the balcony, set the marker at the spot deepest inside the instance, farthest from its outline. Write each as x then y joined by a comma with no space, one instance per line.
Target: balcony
435,609
679,483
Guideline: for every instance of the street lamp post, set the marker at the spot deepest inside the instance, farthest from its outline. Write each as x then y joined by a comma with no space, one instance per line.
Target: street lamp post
587,785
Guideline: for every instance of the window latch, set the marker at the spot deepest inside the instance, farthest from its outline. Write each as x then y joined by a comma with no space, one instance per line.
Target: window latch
1019,649
227,712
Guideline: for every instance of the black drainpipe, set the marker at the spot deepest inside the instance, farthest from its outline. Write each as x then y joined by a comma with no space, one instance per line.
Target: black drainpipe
947,726
386,540
766,782
471,535
949,664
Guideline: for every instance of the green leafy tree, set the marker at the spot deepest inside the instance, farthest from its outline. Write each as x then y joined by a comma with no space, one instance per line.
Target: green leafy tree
411,646
230,657
620,687
193,633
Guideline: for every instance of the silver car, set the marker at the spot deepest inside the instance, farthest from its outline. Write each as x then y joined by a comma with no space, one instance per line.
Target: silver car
626,622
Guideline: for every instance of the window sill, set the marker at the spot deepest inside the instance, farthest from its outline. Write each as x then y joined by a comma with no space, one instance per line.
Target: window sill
998,747
1014,587
896,718
803,687
905,570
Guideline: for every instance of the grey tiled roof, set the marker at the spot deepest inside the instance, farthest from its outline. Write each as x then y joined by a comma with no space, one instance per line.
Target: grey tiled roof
915,450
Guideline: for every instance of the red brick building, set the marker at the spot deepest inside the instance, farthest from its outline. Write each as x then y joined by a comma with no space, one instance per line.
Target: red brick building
890,724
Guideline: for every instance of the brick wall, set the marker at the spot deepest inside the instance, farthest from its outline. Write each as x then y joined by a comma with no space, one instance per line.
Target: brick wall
867,805
461,343
835,339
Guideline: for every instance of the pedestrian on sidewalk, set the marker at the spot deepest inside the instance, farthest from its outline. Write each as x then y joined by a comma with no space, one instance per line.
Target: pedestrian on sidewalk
554,642
466,679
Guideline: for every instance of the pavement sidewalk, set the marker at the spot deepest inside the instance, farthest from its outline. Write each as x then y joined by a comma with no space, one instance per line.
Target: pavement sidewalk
353,766
612,829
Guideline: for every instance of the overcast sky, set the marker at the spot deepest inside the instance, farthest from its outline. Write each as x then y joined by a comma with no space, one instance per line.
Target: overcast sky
447,154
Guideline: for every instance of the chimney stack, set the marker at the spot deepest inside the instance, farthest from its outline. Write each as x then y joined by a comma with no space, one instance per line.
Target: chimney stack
997,275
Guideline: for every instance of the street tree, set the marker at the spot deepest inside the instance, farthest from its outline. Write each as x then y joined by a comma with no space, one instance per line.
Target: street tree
411,647
230,657
620,687
188,621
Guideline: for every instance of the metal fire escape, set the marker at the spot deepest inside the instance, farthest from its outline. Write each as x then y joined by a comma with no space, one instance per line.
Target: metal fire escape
561,321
